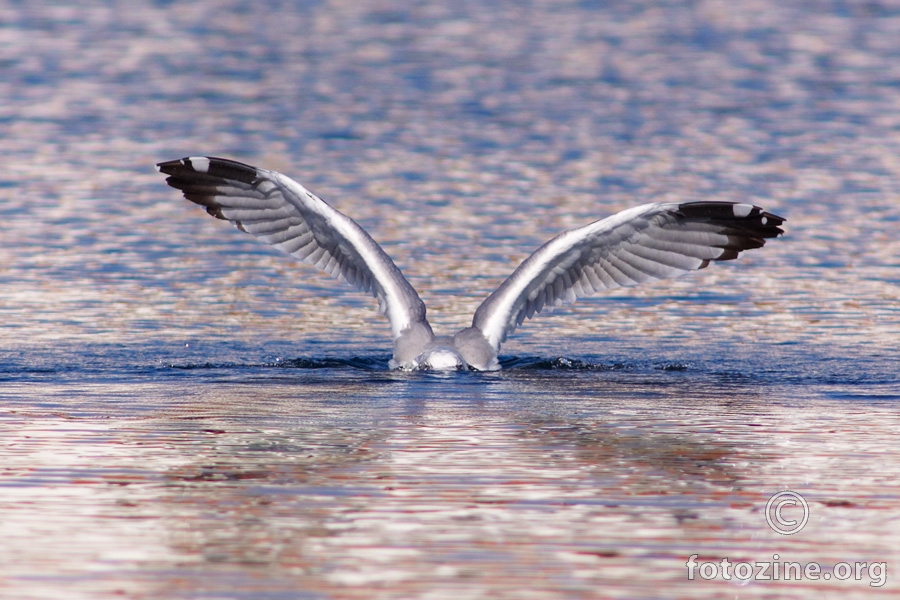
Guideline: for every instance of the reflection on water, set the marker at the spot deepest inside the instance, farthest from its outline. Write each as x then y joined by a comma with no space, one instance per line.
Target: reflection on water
186,414
353,481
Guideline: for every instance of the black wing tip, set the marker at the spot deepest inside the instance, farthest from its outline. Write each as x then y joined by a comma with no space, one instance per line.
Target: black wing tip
748,218
200,179
194,167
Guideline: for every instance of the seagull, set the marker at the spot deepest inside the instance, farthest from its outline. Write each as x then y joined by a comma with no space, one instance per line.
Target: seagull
647,242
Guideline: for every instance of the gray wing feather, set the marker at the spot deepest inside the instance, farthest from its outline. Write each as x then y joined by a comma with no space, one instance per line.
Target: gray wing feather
653,241
282,213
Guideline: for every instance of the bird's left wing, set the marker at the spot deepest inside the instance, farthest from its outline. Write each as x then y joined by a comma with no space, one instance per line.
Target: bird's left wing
653,241
283,213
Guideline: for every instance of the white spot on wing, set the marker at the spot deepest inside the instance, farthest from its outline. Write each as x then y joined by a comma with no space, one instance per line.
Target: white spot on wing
199,163
741,210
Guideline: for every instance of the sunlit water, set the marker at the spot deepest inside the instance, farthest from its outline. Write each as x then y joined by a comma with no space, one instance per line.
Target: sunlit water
184,413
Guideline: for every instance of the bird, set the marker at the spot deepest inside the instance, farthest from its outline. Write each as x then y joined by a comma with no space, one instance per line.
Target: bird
647,242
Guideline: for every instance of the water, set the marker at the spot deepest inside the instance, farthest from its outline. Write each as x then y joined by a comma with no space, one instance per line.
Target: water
184,413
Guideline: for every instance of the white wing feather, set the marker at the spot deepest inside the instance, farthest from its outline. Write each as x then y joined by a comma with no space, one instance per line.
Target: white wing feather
653,241
283,213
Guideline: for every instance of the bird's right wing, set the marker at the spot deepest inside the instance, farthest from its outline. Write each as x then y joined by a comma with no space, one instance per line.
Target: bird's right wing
653,241
283,213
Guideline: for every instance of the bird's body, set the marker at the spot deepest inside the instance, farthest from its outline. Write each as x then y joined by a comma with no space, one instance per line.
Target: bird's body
651,241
